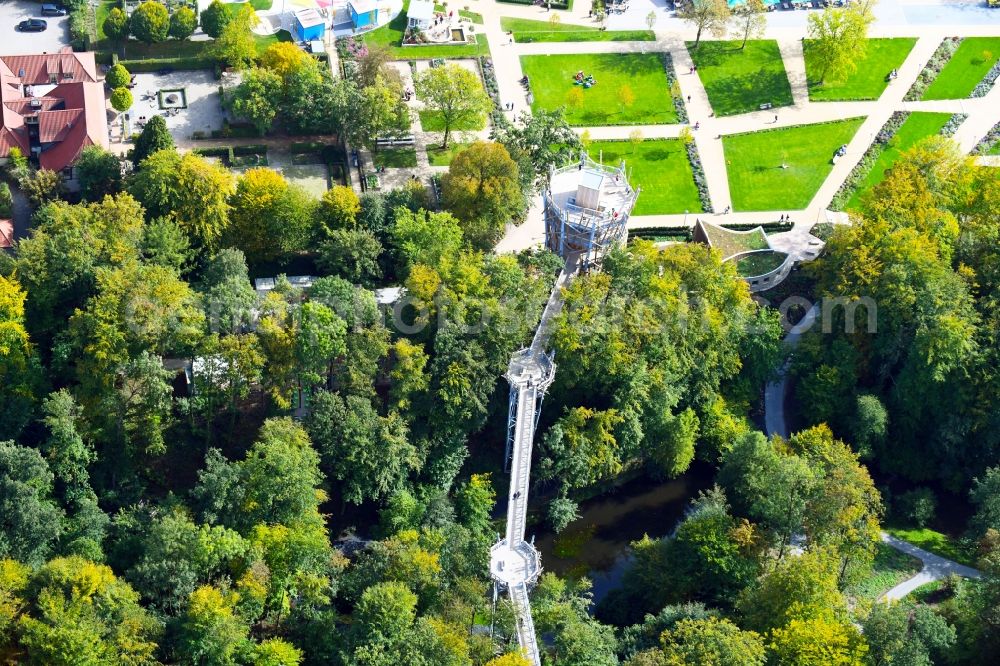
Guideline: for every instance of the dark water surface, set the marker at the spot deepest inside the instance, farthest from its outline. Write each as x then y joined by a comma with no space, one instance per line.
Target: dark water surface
596,544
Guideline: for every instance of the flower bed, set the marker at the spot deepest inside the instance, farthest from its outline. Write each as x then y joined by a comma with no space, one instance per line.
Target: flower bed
953,124
986,84
699,176
674,88
867,160
497,116
942,54
987,143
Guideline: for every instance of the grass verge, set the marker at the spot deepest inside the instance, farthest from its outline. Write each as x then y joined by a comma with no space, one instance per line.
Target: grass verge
890,568
443,156
966,68
527,31
934,542
395,158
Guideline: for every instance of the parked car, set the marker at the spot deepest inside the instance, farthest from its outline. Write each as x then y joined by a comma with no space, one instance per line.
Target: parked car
53,10
32,25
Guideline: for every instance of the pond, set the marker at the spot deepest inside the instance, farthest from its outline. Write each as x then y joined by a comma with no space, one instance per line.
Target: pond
596,544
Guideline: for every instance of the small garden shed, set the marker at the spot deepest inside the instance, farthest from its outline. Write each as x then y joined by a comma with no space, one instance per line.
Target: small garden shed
364,14
309,25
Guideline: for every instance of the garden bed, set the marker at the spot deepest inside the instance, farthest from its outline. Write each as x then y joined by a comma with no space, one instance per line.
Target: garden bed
942,54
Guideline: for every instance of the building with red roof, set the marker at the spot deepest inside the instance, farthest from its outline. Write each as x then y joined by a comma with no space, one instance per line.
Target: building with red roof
53,107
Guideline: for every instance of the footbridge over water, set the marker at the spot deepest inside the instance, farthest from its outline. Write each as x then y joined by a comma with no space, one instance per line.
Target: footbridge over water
586,208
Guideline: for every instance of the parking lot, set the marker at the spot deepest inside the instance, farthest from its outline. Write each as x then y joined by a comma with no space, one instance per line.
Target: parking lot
13,42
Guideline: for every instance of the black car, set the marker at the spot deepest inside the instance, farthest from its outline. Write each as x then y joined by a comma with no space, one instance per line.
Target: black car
32,25
53,10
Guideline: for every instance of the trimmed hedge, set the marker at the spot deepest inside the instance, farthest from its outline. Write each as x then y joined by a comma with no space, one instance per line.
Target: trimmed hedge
82,26
176,64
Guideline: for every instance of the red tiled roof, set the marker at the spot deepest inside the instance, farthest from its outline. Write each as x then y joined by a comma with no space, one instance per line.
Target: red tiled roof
70,117
38,68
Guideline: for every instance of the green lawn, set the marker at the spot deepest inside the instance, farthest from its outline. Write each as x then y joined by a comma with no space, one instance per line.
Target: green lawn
527,31
660,167
754,161
933,541
870,78
740,81
433,121
890,568
995,150
391,36
472,16
918,125
970,63
551,78
395,158
443,156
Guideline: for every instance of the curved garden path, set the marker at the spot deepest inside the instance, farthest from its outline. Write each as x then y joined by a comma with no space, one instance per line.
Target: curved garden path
935,567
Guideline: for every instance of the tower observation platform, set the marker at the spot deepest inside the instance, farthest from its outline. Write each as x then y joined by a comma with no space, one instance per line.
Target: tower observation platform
586,208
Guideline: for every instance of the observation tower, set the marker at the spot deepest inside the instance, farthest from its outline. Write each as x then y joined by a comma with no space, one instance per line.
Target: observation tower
587,206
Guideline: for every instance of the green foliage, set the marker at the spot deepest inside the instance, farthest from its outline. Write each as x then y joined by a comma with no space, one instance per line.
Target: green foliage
482,188
189,188
150,22
117,76
235,45
840,38
257,98
183,21
31,519
368,453
153,138
116,25
268,216
903,633
215,18
42,186
916,507
121,99
456,94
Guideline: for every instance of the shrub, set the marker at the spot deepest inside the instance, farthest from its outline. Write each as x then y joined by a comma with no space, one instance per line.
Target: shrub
118,77
182,23
82,26
150,22
116,25
917,506
121,99
6,201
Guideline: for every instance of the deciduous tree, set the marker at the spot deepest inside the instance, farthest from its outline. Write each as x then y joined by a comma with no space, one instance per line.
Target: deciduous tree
710,15
749,21
150,22
482,188
153,138
215,18
839,40
456,94
183,22
257,97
